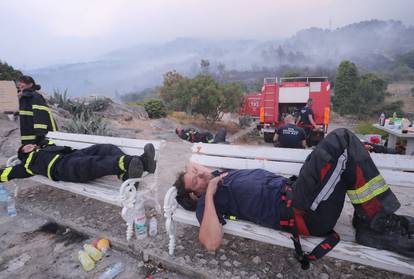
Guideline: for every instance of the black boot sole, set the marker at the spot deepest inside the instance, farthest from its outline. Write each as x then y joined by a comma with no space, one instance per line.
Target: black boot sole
372,239
149,153
135,168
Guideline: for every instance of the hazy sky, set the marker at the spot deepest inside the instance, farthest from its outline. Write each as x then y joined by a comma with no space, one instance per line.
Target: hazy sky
35,33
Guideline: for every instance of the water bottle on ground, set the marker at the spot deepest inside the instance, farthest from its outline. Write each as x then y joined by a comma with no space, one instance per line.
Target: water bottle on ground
94,253
4,195
153,226
112,271
11,206
86,261
140,225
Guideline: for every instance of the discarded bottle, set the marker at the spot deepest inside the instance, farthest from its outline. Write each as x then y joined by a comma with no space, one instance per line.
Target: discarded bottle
94,253
103,245
11,206
140,225
382,119
4,195
112,271
152,227
87,263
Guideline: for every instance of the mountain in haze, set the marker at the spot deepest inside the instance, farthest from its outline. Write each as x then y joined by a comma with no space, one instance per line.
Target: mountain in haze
371,44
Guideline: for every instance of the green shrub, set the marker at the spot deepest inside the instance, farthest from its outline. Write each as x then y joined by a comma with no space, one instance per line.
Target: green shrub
155,108
86,122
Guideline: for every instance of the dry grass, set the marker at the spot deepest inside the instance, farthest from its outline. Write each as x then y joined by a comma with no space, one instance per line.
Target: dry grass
198,121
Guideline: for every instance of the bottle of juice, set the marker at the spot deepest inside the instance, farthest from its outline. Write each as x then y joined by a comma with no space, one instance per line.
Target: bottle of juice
94,253
87,263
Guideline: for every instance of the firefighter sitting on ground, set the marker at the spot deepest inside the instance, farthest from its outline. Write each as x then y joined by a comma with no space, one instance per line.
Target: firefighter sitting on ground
308,205
67,164
193,135
290,135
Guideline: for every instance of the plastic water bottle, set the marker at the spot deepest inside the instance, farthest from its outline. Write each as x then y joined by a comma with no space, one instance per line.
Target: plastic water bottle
94,253
87,263
152,226
4,195
11,206
113,271
140,225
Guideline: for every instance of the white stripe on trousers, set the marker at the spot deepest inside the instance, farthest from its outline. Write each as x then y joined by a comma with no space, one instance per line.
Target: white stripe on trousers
329,187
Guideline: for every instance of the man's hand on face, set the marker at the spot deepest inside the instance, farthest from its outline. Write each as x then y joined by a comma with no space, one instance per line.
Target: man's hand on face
29,148
213,184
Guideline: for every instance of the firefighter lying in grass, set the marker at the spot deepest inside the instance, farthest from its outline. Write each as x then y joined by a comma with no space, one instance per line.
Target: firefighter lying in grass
67,164
308,205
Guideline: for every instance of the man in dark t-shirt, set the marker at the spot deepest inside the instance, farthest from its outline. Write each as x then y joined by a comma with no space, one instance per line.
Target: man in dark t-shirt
290,135
338,166
307,118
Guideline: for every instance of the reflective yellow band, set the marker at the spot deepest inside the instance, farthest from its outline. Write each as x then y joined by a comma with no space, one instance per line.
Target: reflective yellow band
50,142
371,189
40,126
28,137
29,159
5,174
26,112
49,167
210,141
121,163
40,107
47,109
233,218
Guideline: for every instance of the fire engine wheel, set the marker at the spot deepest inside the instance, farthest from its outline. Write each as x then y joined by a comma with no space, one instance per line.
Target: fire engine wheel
268,137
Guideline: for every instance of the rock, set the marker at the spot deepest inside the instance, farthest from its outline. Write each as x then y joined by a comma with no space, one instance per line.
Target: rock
203,261
223,258
279,275
227,273
324,276
327,268
256,260
199,255
346,276
224,241
227,263
140,264
254,276
180,247
187,258
235,277
236,263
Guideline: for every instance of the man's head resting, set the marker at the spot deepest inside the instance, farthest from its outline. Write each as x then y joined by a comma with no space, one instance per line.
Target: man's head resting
184,196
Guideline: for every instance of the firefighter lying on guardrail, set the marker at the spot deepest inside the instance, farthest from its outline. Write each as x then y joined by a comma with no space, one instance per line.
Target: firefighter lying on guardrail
308,205
83,165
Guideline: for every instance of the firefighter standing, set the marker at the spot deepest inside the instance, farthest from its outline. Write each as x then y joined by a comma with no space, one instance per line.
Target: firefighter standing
306,118
36,119
290,135
62,163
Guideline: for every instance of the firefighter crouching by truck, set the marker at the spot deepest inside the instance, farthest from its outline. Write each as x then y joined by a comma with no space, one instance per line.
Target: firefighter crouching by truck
289,135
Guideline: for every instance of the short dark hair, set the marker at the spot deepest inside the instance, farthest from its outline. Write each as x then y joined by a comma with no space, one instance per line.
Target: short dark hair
28,80
183,196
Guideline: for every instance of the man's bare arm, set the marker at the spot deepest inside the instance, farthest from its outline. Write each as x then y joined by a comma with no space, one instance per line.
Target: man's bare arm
311,120
211,231
275,137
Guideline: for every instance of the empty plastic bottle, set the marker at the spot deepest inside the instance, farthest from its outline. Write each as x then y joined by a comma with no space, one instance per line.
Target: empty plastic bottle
140,224
11,206
86,261
112,271
152,231
4,195
94,253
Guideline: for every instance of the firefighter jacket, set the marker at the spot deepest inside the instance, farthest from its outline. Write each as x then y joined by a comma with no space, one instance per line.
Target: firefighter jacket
40,161
35,118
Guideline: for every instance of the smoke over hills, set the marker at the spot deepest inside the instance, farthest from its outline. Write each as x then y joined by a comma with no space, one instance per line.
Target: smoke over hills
371,44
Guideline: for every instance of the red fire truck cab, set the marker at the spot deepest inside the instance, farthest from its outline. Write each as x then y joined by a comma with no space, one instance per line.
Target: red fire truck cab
289,96
251,106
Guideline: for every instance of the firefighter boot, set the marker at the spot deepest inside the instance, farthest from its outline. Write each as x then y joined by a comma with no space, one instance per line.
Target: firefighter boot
135,168
389,232
148,158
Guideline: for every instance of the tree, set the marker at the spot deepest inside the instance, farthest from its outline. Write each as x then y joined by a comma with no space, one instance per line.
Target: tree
7,72
408,59
280,54
346,84
175,91
205,66
155,108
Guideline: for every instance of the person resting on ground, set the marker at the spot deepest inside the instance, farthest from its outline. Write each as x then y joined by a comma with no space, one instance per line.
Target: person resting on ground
309,204
67,164
193,135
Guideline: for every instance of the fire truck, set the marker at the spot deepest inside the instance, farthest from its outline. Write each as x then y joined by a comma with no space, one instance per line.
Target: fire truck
251,106
288,96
